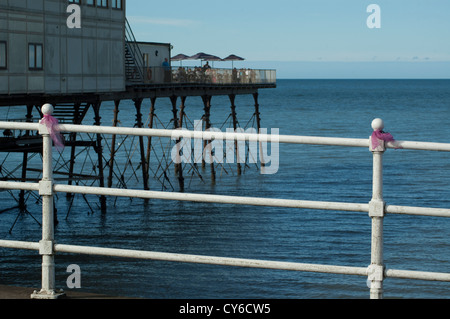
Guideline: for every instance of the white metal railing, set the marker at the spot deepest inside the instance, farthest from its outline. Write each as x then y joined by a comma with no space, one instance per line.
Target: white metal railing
377,209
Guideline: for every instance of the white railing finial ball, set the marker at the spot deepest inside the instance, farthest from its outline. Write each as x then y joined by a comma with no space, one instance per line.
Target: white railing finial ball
377,124
47,109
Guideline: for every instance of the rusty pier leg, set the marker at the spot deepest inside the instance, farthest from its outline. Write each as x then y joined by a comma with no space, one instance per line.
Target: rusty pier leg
207,108
138,104
176,122
99,151
149,140
73,138
234,116
113,144
180,125
258,127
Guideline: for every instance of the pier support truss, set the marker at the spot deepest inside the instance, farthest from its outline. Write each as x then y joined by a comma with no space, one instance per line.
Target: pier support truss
120,161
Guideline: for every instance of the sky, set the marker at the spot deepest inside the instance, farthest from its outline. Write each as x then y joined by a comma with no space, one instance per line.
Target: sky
306,38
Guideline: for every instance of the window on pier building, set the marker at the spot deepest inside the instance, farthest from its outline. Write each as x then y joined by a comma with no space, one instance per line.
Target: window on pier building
74,1
35,56
116,4
3,57
102,3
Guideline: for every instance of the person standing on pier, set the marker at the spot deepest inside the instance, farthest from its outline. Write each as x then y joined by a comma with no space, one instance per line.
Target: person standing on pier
166,69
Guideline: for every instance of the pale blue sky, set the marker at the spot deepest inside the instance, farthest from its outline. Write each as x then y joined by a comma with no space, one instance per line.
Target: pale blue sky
414,36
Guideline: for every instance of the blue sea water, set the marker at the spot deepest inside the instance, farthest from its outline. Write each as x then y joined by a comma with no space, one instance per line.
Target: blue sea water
415,110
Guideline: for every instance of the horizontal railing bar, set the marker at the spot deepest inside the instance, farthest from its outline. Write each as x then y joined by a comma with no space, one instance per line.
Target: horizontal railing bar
19,186
19,245
19,126
418,275
207,198
208,135
425,211
224,261
238,200
285,139
421,146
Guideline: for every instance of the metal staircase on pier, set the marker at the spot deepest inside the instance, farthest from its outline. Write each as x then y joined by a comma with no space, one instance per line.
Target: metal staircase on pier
70,113
134,64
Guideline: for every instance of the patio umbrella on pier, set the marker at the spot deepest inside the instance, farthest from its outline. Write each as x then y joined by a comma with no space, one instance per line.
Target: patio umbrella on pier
233,58
199,56
205,57
213,58
180,57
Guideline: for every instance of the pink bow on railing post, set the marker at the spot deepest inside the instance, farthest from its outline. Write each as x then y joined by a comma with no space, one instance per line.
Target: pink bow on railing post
379,135
52,126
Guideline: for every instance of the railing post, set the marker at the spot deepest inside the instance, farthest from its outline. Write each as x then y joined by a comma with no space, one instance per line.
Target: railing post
46,191
377,212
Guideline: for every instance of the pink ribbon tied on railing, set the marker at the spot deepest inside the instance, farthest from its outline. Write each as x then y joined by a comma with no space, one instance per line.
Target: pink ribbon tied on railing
52,126
378,135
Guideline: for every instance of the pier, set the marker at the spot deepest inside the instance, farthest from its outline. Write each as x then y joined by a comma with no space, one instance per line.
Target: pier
112,67
72,109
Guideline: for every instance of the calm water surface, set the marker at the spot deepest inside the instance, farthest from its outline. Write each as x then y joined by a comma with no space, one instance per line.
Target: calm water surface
412,110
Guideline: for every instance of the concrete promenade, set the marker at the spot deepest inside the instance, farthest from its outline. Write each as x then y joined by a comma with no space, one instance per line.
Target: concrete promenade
11,292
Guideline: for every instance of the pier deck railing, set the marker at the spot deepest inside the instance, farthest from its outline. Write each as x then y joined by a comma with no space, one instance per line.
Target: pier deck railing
196,75
377,209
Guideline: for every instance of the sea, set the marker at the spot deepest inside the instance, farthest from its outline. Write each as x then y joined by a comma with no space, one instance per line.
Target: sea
412,110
